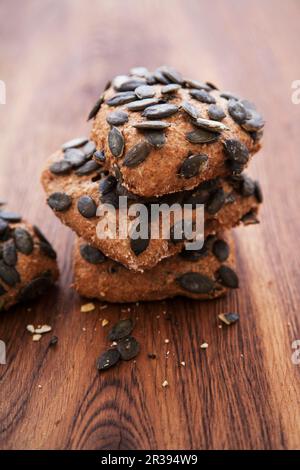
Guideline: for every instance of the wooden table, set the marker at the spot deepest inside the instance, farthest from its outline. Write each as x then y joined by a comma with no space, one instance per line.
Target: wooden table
243,391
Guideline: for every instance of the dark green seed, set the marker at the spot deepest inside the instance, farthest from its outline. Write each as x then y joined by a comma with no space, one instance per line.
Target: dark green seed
216,202
99,156
121,98
131,85
75,157
23,241
160,78
236,150
169,89
9,253
229,96
128,348
237,111
203,96
247,186
195,255
139,71
121,329
236,168
250,218
117,118
160,111
196,283
96,108
87,168
258,192
91,254
47,250
215,112
228,277
9,274
255,123
211,85
171,74
60,202
140,105
87,207
156,138
151,125
209,124
229,318
108,359
107,184
192,165
11,217
116,142
35,288
111,198
40,235
74,143
190,109
89,148
144,91
197,85
221,250
202,136
137,154
60,168
139,245
3,226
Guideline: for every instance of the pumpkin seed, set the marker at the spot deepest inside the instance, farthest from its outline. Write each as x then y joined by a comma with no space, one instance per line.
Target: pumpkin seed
117,118
108,359
121,98
87,207
197,85
227,95
171,74
156,138
75,157
160,111
255,123
201,136
59,201
247,186
9,253
47,250
192,165
169,89
196,283
203,96
211,125
152,125
216,202
74,143
11,217
137,154
110,198
9,274
221,250
139,71
236,150
96,108
107,184
121,329
131,84
190,109
144,91
250,218
128,348
61,168
228,277
215,112
160,77
89,148
237,111
258,192
140,105
99,156
87,168
116,142
3,226
139,245
91,254
23,241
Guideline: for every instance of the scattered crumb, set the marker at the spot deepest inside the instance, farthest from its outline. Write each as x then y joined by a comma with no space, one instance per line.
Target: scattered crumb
39,386
87,307
83,329
30,328
204,346
167,353
104,322
183,363
242,355
167,341
36,337
114,343
157,316
165,383
43,329
102,307
220,326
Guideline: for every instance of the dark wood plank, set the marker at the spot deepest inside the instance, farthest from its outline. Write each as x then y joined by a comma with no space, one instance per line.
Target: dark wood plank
243,391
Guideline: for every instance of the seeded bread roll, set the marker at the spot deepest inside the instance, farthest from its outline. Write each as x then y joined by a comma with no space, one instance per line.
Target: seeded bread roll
75,197
27,261
204,274
161,133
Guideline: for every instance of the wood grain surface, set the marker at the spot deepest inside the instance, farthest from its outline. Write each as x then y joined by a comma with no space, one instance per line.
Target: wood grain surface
243,391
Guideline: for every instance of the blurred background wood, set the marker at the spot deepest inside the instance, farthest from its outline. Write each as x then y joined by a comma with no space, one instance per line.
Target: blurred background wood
243,391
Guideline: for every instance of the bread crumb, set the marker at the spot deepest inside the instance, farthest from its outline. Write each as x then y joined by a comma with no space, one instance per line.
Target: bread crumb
204,346
36,337
104,322
87,307
165,383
